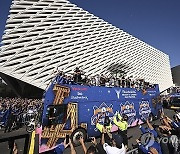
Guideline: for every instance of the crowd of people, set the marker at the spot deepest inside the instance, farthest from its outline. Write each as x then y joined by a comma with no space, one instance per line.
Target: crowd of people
175,89
15,112
163,138
155,139
167,96
79,77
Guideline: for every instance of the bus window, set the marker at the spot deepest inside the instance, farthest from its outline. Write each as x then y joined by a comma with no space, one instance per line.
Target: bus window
56,114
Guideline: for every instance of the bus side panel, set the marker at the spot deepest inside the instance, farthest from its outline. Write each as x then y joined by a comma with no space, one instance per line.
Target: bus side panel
88,112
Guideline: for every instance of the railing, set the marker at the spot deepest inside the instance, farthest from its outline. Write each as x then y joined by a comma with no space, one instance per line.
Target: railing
12,139
133,151
21,119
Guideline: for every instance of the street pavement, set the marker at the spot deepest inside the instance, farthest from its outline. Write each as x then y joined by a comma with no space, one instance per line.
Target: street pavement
134,132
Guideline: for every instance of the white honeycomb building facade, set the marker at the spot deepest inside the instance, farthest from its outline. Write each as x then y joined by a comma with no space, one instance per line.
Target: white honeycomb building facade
42,35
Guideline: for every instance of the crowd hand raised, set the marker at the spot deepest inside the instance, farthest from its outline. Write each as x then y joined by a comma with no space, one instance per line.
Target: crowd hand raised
94,141
117,112
81,140
104,130
137,140
66,145
168,119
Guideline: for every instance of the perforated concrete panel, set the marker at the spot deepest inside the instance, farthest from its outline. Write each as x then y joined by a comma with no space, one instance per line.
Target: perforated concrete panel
42,35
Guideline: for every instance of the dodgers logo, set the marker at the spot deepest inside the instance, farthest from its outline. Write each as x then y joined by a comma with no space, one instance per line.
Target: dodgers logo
103,108
128,109
144,109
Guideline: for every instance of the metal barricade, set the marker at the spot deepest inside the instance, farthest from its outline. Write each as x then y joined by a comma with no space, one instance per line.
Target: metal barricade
12,139
133,151
27,117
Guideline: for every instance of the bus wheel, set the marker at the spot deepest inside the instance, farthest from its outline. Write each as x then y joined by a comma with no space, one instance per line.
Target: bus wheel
75,136
151,117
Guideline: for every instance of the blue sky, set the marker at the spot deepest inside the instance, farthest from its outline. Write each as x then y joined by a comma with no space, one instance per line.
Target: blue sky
156,22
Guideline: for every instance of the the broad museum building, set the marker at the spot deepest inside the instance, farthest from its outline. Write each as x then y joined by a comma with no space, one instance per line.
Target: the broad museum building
43,35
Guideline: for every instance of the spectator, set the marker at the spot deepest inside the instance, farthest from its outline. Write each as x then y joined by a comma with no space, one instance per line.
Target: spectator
14,111
10,121
93,81
128,81
123,82
150,129
15,148
163,134
102,80
99,146
150,146
77,75
116,146
93,149
153,149
97,80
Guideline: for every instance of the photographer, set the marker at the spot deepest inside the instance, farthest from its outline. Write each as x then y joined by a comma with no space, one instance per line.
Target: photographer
115,146
93,149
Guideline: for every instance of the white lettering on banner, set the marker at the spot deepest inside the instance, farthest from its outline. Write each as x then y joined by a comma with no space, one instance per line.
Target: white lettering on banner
128,109
145,112
129,95
79,97
130,114
128,91
144,109
151,91
103,108
173,139
79,93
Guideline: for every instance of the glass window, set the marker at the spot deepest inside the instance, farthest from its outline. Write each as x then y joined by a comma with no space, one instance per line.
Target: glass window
57,114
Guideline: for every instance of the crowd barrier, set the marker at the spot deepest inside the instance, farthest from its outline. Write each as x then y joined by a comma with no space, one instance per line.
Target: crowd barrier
133,151
22,119
11,140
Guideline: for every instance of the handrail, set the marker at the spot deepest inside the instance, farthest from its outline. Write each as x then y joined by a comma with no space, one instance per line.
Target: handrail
133,151
13,138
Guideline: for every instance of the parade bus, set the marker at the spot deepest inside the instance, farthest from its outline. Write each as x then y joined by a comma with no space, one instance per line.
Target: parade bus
73,109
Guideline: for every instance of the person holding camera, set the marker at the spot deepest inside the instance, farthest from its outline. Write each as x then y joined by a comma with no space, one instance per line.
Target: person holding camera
116,145
93,149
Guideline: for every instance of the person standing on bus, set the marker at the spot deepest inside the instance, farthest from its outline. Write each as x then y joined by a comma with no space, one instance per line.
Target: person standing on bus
77,75
122,124
106,125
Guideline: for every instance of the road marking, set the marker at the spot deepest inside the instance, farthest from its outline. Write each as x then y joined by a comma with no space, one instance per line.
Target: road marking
31,149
